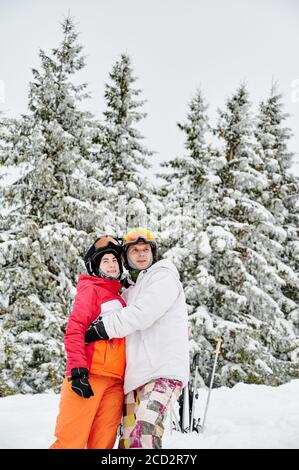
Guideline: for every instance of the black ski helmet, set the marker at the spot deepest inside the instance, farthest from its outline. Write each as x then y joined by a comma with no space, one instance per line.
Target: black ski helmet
103,245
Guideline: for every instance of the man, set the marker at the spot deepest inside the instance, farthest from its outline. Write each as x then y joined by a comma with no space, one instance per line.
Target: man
156,328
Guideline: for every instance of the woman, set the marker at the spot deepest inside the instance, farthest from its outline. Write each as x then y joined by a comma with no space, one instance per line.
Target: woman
92,392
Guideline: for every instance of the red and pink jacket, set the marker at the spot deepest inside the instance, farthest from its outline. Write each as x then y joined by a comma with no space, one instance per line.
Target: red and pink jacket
95,297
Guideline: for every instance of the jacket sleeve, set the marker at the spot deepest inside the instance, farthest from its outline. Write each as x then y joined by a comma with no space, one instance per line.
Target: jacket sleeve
157,296
84,310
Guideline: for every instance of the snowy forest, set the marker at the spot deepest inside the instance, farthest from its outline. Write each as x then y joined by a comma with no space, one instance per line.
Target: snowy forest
226,212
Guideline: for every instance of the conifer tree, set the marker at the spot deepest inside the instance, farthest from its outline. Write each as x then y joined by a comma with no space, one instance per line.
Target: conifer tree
124,158
189,190
282,194
234,287
54,210
247,245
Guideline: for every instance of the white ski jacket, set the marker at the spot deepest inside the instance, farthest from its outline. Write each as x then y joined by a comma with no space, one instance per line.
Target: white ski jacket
155,325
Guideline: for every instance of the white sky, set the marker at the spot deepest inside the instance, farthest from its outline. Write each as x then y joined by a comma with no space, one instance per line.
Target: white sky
176,46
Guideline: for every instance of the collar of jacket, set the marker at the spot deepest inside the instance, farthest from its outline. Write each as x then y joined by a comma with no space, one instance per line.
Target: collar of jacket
110,284
142,273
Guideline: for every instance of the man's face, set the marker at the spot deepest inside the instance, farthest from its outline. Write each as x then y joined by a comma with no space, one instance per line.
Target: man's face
140,255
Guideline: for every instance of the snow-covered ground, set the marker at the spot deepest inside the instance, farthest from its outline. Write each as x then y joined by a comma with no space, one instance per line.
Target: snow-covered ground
245,416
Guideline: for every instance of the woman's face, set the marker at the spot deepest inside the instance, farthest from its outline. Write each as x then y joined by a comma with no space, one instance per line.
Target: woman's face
109,265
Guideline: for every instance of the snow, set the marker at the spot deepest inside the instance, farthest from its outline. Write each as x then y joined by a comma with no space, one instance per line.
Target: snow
204,248
30,338
228,203
219,245
11,174
203,318
8,176
131,187
245,416
221,238
264,366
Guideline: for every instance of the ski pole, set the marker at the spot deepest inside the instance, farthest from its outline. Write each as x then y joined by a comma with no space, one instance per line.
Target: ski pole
172,412
195,361
186,409
217,351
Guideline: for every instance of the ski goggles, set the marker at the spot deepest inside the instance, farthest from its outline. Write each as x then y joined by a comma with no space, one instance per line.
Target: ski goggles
139,234
105,240
102,244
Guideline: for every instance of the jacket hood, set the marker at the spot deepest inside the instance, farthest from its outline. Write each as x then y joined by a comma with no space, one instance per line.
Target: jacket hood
110,284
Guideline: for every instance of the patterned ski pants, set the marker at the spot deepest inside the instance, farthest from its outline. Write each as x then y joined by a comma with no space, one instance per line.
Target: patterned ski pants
145,411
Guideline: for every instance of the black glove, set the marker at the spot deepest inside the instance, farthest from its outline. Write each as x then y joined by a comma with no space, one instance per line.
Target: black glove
95,331
80,384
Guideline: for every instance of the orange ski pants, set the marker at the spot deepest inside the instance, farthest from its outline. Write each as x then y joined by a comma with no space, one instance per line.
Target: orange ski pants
89,422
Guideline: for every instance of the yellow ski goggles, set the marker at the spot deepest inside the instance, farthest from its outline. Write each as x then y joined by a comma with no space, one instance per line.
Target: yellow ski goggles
139,234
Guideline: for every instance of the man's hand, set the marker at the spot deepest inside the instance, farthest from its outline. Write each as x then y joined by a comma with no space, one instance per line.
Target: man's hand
80,384
95,332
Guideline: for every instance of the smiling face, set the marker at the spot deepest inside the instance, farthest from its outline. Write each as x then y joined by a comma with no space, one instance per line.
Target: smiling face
140,255
109,265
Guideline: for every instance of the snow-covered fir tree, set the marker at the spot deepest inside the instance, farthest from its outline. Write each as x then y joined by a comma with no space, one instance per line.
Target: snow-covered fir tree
237,290
250,308
53,211
124,158
188,192
282,194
